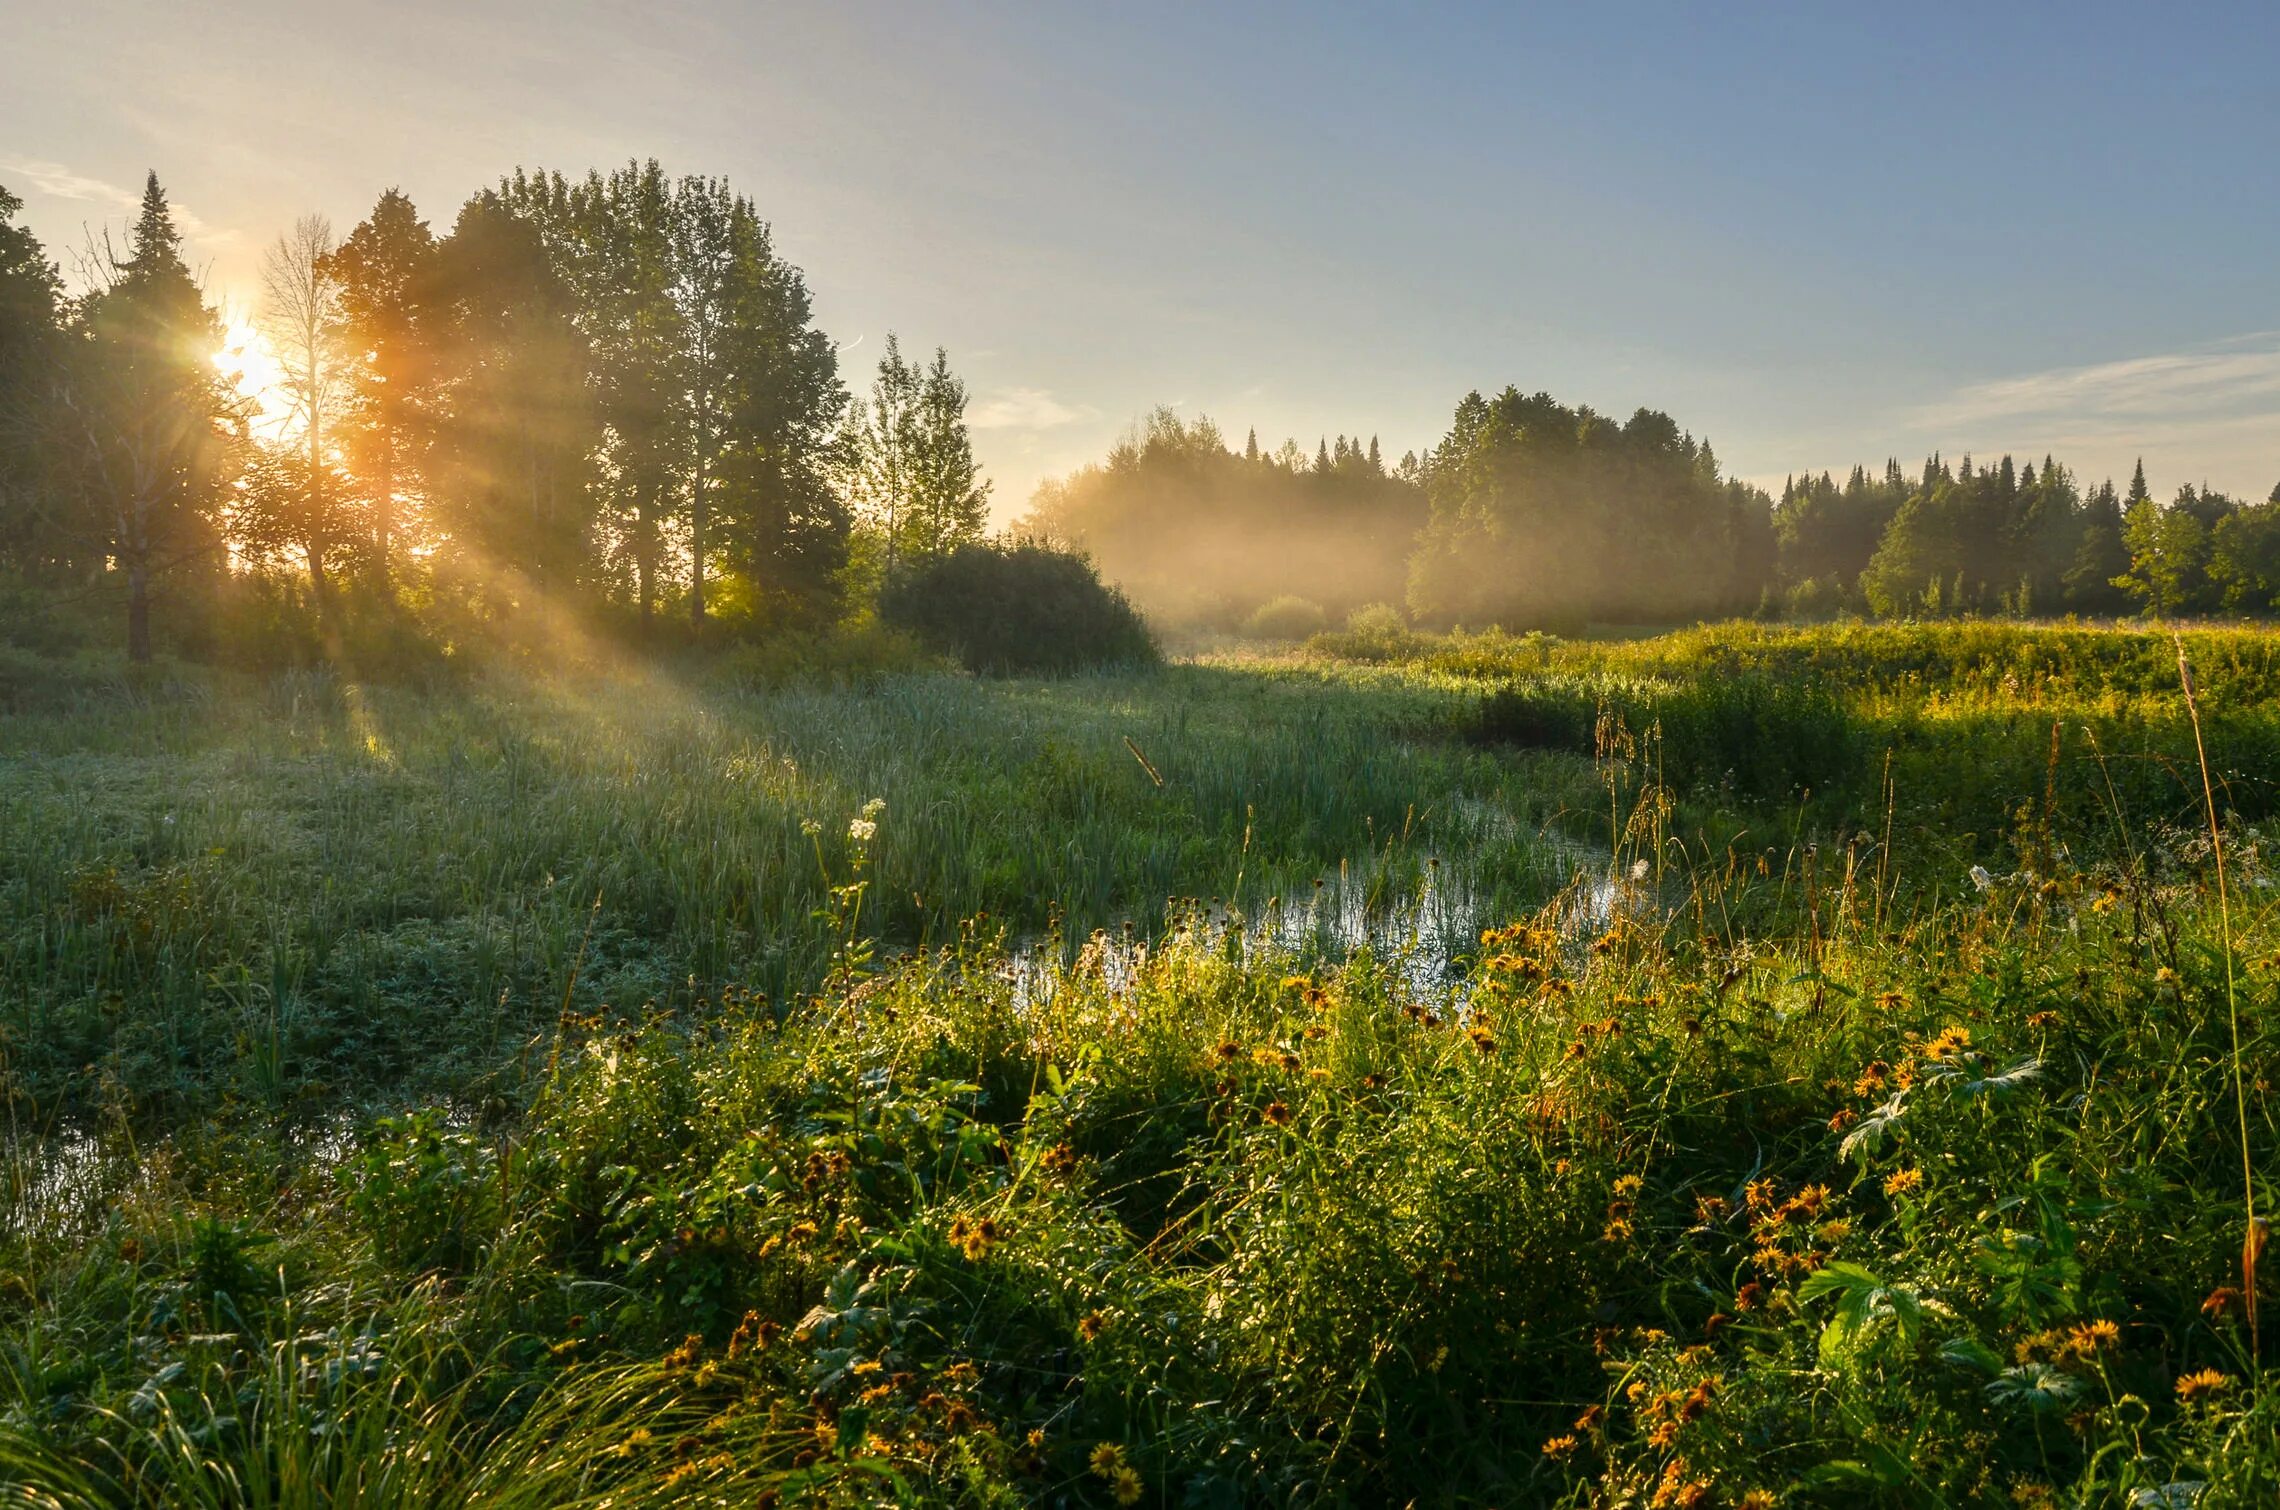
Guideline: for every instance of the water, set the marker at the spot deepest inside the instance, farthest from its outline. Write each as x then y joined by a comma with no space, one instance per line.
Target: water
1419,935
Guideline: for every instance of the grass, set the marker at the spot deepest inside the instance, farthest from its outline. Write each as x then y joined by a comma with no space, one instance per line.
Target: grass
1812,1169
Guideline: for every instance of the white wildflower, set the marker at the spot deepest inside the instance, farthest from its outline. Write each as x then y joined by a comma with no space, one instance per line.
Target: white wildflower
1981,879
861,830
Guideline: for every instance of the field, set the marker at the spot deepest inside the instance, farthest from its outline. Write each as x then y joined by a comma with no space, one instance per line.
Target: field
1738,1067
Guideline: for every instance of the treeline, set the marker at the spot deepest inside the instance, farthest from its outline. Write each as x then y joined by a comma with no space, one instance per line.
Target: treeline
1531,513
2020,540
602,396
1199,533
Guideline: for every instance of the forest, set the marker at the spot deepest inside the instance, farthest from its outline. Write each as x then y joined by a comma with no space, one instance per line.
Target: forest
603,401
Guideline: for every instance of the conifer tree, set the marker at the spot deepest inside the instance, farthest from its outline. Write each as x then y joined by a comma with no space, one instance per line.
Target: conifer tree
156,424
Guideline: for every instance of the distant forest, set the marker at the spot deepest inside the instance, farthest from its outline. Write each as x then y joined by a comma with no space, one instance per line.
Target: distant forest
1530,513
603,401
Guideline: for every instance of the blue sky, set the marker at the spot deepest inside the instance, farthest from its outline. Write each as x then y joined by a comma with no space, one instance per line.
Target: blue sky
1815,233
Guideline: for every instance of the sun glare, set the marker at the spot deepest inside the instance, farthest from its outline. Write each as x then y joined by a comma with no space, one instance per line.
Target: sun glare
254,371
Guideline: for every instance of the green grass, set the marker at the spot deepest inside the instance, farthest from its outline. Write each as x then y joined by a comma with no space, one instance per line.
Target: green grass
354,1163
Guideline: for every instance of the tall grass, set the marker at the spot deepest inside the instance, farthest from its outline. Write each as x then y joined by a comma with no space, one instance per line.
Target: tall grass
1786,1162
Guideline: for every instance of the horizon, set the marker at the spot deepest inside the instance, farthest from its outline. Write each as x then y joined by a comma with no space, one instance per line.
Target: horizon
1100,216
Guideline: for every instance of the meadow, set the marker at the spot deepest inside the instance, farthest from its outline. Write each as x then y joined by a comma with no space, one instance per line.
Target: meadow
1739,1067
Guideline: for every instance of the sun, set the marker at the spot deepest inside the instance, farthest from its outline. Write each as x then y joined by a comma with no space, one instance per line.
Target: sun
254,371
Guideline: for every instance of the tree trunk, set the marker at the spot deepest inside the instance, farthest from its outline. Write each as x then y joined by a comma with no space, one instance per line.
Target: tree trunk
320,586
645,569
138,610
384,507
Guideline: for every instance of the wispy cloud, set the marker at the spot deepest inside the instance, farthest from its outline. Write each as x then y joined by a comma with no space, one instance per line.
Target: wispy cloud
2226,377
59,182
1027,409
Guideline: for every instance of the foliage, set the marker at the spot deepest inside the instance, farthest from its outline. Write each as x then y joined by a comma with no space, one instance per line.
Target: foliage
1202,534
1017,607
1286,618
1547,517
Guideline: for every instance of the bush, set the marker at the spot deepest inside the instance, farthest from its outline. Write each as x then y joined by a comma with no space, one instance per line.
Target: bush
1288,617
1006,609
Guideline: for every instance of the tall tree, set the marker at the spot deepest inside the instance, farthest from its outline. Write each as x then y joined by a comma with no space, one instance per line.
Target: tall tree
511,424
882,445
31,337
949,499
154,420
384,269
301,316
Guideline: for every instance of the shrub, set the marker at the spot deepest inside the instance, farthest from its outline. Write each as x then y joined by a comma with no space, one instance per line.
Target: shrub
1288,617
1014,607
1373,632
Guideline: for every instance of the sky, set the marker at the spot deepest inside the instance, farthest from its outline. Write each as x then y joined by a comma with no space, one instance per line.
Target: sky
1815,234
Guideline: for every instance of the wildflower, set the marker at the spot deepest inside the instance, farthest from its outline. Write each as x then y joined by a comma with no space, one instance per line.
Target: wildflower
1952,1040
1276,1114
2165,976
1902,1181
1091,1325
2221,1302
2201,1384
1618,1229
1590,1419
1561,1446
2105,902
1697,1402
1844,1118
862,830
686,1353
1891,1001
1106,1459
1060,1158
1125,1484
1291,1063
1229,1050
2029,1495
962,1372
2095,1337
1759,1499
1481,1039
1628,1185
973,1238
1746,1298
1316,1032
1709,1208
2042,1020
1717,1323
1758,1194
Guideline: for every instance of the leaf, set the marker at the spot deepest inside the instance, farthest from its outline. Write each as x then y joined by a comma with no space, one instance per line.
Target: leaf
1971,1353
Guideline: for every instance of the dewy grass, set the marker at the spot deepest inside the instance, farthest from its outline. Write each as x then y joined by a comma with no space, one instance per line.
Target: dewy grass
1782,1172
2252,1235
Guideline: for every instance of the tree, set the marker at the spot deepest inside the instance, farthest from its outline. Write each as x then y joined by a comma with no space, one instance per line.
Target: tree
383,270
638,335
949,500
31,342
2168,550
763,395
510,425
304,503
881,442
2100,557
150,412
